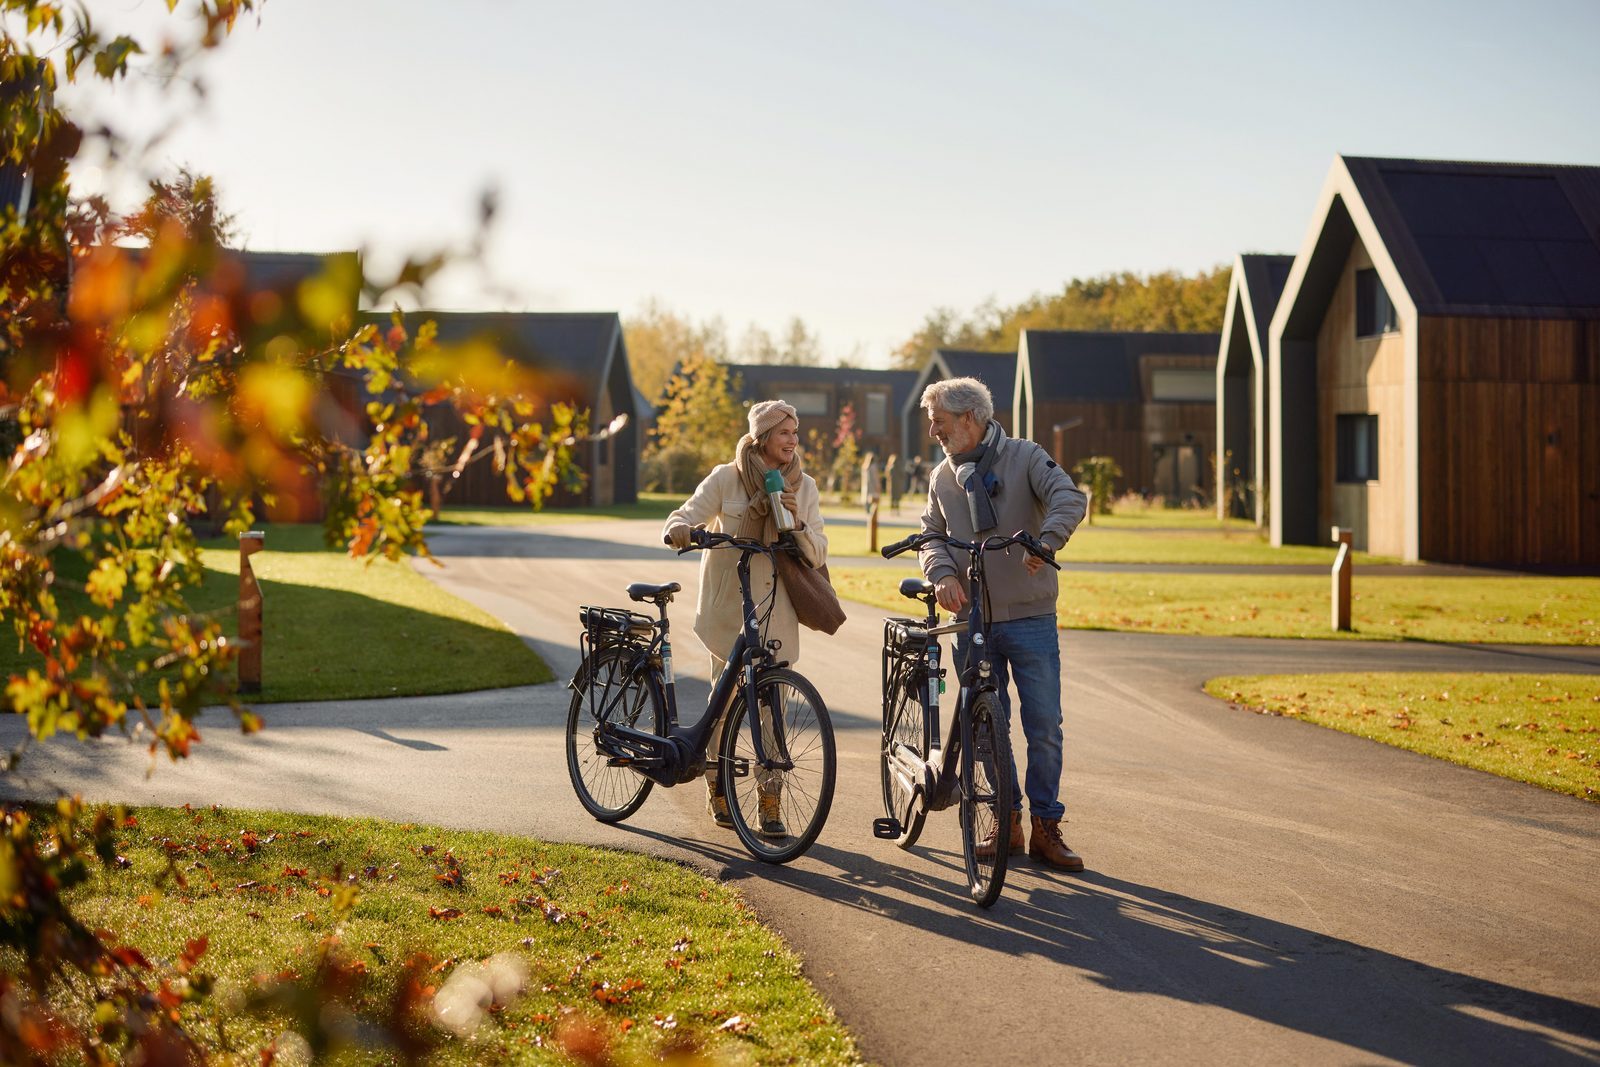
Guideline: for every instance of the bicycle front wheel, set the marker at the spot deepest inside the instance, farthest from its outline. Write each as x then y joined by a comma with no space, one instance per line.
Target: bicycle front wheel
779,813
605,689
985,809
908,735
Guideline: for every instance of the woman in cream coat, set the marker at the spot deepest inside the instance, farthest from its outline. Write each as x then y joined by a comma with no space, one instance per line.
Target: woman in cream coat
732,500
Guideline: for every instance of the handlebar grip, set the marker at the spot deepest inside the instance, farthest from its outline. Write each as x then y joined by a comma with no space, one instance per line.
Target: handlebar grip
891,551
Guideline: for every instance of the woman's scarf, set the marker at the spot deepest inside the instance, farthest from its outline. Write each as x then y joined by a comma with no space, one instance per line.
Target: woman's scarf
758,519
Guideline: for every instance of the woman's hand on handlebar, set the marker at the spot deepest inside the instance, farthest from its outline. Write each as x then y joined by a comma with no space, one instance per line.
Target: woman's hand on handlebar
684,537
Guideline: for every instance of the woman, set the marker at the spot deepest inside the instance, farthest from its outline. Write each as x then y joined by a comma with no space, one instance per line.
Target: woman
733,499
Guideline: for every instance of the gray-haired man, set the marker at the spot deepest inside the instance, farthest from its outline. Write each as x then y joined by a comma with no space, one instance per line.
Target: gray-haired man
991,484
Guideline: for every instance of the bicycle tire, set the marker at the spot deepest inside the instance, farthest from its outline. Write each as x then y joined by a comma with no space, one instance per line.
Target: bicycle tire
985,799
905,723
610,794
805,792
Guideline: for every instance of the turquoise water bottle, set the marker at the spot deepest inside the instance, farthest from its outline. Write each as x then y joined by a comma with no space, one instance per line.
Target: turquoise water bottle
780,514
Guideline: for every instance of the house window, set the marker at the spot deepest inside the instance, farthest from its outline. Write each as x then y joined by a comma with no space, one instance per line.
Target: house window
808,402
1183,386
1357,448
877,414
1375,312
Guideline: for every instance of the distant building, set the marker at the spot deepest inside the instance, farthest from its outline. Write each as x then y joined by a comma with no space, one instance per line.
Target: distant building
819,394
1435,364
1253,293
1147,400
585,363
997,370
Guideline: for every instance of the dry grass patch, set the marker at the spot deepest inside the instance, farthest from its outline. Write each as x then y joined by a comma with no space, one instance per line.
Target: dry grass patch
1543,729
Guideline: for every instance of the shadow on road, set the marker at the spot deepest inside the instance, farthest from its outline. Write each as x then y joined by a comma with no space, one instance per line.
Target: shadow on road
1133,938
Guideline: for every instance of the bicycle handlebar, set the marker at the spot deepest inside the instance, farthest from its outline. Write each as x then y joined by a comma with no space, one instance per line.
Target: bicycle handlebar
701,538
1031,544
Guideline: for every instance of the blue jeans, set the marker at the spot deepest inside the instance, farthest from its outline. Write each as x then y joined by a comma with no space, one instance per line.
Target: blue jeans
1029,651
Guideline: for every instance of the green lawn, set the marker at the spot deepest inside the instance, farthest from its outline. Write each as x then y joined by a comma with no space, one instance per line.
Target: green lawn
1548,611
339,629
1131,544
336,628
1169,519
639,954
1538,728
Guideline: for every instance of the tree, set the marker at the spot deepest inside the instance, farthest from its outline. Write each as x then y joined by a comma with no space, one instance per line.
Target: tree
1166,301
698,425
798,348
1098,475
659,340
156,392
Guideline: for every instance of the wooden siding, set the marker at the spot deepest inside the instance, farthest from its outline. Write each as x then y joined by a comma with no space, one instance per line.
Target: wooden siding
1129,433
1510,413
1361,376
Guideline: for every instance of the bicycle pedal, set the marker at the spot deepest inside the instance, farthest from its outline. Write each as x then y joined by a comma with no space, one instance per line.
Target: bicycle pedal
888,829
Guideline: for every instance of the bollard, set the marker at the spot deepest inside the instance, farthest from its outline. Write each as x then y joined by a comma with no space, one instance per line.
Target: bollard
1341,580
872,528
249,614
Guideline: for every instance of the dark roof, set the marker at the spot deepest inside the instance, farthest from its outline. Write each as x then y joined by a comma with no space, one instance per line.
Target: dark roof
574,346
576,342
1264,277
277,271
1511,239
1084,365
997,370
754,377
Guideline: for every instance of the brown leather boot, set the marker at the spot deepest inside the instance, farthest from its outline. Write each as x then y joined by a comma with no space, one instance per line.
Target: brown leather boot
1018,842
1047,845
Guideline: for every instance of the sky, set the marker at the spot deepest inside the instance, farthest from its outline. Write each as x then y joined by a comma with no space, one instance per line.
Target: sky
854,164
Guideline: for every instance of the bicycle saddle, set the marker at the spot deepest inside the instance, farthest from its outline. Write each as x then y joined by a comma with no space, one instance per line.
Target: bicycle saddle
661,594
916,588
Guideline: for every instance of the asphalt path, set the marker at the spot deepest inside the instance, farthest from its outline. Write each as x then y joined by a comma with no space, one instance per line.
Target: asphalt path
1259,890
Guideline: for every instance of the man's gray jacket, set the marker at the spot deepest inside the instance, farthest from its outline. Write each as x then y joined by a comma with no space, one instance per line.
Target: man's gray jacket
1033,494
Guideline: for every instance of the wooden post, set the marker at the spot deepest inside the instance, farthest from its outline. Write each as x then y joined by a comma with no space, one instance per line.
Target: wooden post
872,528
1088,499
1341,580
249,614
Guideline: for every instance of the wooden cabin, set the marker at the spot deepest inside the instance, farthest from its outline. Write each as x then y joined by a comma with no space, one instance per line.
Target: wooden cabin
819,395
584,362
997,370
1241,475
1147,400
1435,365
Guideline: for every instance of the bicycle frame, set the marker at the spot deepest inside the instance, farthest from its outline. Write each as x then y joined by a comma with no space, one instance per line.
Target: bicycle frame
678,754
935,783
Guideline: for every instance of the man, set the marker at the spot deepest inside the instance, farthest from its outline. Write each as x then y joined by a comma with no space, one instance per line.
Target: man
987,485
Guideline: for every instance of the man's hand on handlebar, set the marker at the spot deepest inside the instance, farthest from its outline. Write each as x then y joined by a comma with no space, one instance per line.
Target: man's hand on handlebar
949,593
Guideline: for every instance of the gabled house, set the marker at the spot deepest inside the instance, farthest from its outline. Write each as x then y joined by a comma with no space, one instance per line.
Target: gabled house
1435,364
585,363
1147,400
819,394
1253,292
997,370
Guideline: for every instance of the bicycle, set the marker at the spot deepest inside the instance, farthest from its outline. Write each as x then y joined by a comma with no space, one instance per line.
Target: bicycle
972,767
623,734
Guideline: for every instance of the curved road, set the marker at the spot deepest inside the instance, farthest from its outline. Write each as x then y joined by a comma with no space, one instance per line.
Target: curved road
1258,891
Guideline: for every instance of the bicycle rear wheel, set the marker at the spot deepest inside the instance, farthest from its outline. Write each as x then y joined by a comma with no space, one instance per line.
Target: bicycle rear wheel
908,730
778,813
608,793
985,809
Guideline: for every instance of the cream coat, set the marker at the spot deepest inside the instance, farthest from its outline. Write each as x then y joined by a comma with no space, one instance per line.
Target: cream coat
719,504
